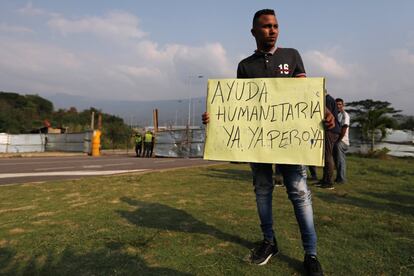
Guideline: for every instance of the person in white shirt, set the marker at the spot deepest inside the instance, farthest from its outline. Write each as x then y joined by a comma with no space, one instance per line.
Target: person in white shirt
341,147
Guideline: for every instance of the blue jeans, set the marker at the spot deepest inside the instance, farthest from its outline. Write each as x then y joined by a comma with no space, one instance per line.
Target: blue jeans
340,161
294,178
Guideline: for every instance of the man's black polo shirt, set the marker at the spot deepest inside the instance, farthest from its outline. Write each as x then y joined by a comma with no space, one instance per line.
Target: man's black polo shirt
283,63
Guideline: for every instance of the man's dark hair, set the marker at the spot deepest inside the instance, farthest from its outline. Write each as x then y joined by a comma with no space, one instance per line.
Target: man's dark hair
262,12
339,100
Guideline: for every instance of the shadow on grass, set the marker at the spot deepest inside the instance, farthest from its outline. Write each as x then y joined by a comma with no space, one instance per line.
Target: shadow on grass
365,203
164,217
232,174
396,172
293,263
394,197
69,262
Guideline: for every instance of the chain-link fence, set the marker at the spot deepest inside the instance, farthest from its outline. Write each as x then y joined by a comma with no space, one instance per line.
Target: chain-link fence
180,143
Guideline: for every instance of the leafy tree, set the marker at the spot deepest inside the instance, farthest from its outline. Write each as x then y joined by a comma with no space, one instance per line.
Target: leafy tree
41,105
405,122
24,113
115,132
21,114
408,124
373,117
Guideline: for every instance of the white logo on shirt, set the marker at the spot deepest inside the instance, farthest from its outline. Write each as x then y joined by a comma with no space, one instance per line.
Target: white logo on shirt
284,69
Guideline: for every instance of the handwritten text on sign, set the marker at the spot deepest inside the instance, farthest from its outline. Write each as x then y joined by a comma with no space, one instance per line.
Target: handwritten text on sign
266,120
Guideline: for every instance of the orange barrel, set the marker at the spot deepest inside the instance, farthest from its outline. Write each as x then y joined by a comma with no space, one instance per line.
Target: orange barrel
96,143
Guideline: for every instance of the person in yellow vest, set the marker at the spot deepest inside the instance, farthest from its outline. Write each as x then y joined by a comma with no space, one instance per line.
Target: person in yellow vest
148,139
138,144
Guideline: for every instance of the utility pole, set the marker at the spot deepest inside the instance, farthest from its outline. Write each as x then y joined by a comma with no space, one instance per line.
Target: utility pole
100,121
93,120
189,110
155,120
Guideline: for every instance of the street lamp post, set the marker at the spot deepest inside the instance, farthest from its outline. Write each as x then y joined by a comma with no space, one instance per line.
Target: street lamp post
189,98
189,113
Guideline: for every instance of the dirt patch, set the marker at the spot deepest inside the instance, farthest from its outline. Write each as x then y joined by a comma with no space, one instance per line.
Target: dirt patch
74,201
17,209
72,195
224,244
17,231
80,204
326,218
42,222
227,217
51,190
3,243
182,201
132,250
198,202
209,251
45,214
70,224
41,261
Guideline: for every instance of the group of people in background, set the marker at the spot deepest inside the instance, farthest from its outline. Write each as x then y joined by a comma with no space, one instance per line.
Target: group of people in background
336,144
144,143
342,145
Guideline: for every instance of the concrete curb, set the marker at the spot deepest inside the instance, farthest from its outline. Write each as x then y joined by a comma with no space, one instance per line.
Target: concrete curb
40,154
61,153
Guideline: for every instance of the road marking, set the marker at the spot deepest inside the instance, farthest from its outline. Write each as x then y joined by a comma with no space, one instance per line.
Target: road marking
61,160
85,167
70,173
165,161
54,168
117,164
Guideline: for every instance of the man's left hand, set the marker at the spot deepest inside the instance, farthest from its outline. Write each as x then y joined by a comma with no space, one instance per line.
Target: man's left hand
329,119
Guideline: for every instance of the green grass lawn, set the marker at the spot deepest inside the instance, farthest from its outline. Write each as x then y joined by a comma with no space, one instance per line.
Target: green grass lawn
203,222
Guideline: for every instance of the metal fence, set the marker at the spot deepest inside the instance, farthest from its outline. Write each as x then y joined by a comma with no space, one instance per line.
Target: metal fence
176,143
180,143
10,143
73,142
67,142
399,142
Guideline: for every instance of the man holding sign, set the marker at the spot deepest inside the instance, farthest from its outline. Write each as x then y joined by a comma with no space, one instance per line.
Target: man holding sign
268,61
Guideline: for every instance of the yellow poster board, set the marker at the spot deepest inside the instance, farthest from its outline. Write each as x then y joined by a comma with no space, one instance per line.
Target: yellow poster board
269,120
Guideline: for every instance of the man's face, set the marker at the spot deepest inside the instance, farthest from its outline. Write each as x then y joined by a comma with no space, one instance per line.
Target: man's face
340,106
266,31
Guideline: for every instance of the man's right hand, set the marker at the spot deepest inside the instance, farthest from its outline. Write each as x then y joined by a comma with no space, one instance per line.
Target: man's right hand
205,118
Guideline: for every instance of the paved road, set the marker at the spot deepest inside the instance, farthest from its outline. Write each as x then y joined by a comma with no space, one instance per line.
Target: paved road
40,169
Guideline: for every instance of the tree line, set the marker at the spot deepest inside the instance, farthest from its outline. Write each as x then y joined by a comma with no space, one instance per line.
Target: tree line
29,113
374,117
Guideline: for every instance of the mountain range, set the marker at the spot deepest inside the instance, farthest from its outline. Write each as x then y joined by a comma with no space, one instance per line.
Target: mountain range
138,113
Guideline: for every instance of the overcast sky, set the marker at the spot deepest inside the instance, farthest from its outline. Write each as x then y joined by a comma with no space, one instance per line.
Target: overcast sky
152,50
